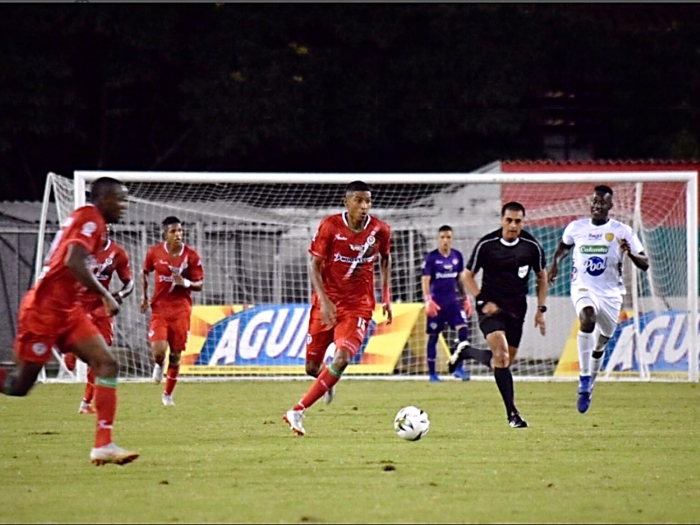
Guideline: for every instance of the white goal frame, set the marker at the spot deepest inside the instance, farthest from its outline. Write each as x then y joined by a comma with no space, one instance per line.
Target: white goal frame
690,178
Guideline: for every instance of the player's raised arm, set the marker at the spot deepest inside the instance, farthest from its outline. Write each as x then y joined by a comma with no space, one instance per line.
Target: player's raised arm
75,260
123,271
562,251
639,259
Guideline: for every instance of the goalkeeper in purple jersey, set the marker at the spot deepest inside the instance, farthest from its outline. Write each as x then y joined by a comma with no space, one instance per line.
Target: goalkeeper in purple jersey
442,273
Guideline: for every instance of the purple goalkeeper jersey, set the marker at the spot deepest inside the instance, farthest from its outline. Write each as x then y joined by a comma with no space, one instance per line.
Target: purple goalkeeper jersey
444,273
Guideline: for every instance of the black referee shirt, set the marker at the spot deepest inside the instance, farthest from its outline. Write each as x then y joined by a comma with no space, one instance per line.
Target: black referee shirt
506,269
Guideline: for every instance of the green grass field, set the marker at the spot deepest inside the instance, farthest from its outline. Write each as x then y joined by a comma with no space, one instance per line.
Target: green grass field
223,454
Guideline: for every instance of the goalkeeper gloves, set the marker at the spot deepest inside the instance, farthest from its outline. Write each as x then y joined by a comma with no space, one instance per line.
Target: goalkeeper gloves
431,307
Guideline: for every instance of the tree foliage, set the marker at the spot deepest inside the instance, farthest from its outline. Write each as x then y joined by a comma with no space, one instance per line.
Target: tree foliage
334,87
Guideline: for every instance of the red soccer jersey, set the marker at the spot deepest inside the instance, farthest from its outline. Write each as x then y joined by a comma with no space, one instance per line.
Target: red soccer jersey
348,261
56,286
168,298
112,258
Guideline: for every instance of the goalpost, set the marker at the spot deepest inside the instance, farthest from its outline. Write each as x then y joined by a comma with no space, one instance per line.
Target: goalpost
253,232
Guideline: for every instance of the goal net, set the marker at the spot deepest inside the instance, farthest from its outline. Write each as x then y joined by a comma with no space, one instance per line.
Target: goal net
253,232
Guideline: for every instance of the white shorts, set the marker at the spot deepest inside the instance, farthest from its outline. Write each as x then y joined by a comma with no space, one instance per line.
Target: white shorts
607,309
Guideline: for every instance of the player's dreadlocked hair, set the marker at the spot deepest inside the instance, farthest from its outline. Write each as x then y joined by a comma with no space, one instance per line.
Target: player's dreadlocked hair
357,185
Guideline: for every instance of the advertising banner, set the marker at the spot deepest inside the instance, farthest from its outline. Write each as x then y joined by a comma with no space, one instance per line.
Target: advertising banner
271,339
662,340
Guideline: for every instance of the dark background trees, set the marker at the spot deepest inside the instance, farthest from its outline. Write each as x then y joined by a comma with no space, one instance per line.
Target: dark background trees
340,87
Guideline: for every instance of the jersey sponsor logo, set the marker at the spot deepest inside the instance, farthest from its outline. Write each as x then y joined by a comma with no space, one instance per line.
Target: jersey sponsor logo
445,275
594,249
352,260
609,237
448,267
101,271
357,247
594,236
523,270
594,266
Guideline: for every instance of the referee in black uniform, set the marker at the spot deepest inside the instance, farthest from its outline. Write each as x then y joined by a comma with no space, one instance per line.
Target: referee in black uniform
506,256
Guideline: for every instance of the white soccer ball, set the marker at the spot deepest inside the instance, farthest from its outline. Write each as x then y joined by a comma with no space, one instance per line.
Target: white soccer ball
411,423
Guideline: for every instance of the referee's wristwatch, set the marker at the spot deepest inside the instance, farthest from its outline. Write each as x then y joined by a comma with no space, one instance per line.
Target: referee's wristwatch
542,308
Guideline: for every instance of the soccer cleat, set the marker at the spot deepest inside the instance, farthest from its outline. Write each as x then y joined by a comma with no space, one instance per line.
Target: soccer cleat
515,421
112,454
294,419
462,374
329,396
168,400
457,356
434,378
86,408
585,392
157,373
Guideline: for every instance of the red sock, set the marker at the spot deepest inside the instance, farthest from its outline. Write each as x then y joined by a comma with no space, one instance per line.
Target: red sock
171,379
106,408
89,386
323,383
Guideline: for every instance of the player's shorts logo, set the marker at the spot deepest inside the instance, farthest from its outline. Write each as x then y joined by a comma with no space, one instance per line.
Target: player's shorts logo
522,271
39,348
594,266
308,339
151,333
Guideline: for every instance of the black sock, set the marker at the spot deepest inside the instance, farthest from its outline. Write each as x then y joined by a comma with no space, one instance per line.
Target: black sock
481,356
504,381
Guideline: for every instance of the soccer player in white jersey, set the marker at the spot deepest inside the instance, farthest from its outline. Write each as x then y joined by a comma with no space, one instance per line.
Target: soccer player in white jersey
599,244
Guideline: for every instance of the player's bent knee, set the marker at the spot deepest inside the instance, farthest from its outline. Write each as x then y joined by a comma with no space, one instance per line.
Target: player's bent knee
341,361
312,369
174,359
105,366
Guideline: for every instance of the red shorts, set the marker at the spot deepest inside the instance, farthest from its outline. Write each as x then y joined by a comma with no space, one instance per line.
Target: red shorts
173,329
39,329
348,334
105,325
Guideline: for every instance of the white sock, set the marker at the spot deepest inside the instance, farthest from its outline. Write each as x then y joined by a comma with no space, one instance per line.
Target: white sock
595,367
586,342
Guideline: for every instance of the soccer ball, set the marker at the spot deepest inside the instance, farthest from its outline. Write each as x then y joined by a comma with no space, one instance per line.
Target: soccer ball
411,423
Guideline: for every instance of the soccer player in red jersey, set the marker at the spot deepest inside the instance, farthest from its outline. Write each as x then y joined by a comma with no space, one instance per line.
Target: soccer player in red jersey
50,314
110,259
179,272
341,268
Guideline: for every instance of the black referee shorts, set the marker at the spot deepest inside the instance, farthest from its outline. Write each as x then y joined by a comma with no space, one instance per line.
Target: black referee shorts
512,326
